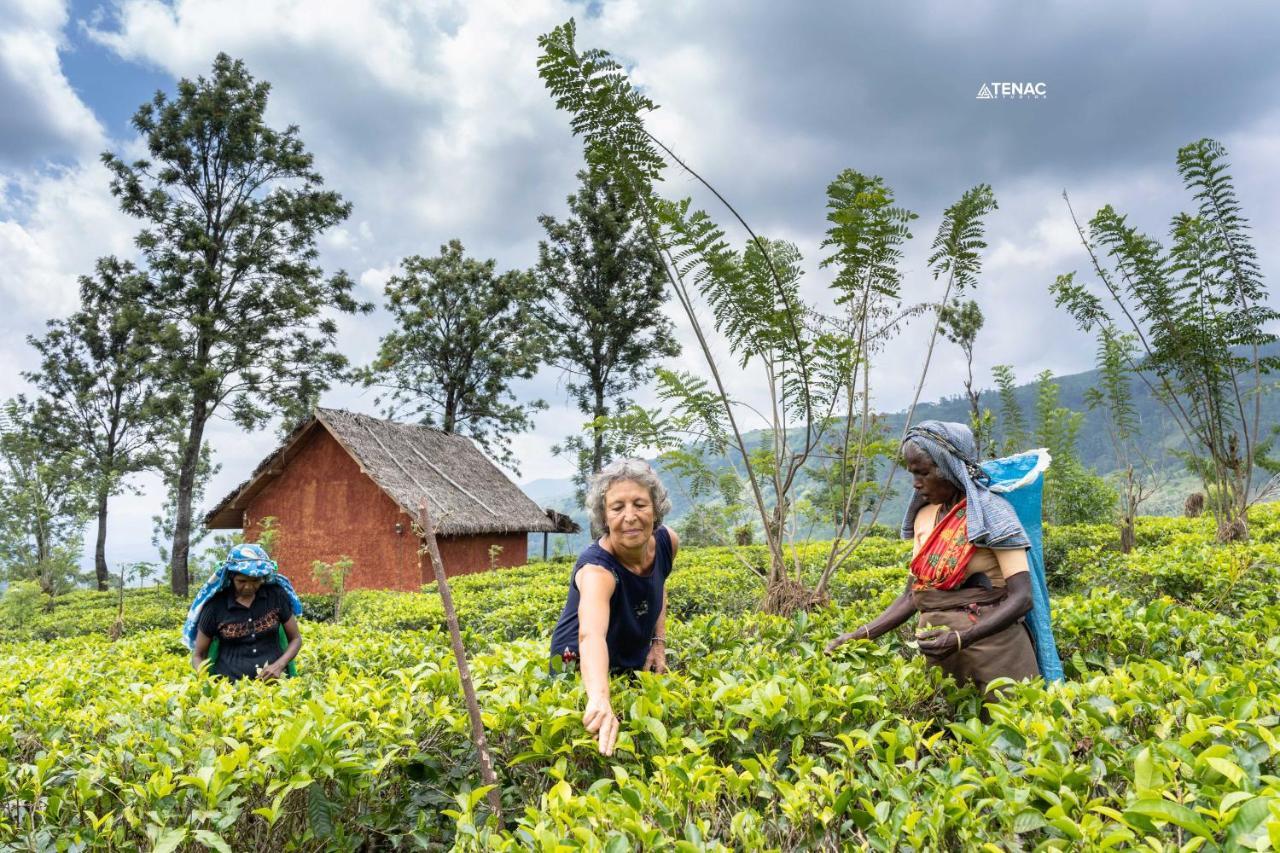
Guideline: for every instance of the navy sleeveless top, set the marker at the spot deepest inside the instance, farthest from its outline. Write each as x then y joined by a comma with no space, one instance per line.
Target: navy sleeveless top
633,607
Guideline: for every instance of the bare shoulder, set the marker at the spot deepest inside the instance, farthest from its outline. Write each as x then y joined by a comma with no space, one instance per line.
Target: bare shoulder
595,580
1012,561
675,541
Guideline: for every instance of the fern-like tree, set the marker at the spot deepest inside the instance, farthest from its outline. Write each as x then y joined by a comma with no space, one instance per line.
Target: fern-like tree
464,333
1198,310
961,323
1011,433
1113,397
1072,493
244,317
812,365
105,400
602,291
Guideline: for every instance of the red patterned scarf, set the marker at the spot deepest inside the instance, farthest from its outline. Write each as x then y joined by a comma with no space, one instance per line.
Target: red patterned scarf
945,554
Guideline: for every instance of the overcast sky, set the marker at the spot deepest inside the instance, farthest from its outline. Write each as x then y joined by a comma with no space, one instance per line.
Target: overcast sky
430,118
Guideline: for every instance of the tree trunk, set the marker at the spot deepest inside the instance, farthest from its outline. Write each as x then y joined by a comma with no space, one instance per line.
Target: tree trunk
597,433
1127,537
100,547
179,571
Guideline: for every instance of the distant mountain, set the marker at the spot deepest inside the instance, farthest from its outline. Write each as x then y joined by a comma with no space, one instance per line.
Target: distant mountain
1160,436
548,491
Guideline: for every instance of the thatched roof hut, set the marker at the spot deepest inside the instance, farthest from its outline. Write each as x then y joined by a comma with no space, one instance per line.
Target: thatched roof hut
345,484
464,491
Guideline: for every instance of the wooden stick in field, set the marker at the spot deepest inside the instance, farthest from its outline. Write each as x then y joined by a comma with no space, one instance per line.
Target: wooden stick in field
487,774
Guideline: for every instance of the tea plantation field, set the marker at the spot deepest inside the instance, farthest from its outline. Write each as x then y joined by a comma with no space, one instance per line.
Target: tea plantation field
1165,736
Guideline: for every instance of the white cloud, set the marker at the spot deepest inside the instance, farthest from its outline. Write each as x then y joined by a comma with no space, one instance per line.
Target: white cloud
44,119
56,224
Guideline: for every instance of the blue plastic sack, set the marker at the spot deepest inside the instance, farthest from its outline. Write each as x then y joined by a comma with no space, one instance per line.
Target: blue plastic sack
1020,480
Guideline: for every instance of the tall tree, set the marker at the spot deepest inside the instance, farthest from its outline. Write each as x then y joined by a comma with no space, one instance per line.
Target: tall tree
104,398
245,317
1200,316
602,289
463,334
45,504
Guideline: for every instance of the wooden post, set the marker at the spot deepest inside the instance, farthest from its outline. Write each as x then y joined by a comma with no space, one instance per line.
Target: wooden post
545,534
487,774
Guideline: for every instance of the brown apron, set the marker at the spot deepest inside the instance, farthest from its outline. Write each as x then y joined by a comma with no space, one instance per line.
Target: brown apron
1005,654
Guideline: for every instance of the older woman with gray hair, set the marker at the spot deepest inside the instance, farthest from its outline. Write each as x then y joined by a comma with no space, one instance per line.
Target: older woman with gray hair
969,573
615,619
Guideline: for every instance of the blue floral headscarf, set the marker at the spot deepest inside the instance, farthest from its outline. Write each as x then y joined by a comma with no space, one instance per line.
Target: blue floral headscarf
248,559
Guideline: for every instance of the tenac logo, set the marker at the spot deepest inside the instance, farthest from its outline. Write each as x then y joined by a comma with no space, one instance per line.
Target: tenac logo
1012,91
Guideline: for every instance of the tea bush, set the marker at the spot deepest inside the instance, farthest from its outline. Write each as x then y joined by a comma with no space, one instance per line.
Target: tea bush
1166,735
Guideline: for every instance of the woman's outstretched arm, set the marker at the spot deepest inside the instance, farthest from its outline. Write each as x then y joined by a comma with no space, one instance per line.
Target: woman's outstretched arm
595,588
897,613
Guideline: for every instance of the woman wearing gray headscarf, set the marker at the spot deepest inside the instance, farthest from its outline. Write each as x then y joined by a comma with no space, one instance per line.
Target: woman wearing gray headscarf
969,574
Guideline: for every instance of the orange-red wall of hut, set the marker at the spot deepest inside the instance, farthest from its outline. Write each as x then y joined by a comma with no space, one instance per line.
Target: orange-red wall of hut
325,508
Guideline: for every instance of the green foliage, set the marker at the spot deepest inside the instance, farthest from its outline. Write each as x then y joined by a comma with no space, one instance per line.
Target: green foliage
1072,493
85,612
104,399
604,109
269,532
44,499
960,324
706,524
1114,396
601,293
164,523
333,577
957,248
756,740
463,334
866,234
1015,436
1077,495
1114,392
1063,541
241,316
1201,319
813,362
20,603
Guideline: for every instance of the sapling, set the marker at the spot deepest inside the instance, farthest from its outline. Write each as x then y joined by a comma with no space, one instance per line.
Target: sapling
811,365
333,576
430,547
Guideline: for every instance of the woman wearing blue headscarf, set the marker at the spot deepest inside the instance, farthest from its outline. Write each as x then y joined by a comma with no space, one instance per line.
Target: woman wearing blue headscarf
969,573
250,610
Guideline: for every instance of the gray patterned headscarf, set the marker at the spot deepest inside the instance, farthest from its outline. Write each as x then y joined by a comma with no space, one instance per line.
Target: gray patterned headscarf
992,522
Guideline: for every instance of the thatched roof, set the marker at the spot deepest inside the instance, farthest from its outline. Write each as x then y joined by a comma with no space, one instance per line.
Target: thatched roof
563,523
464,491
